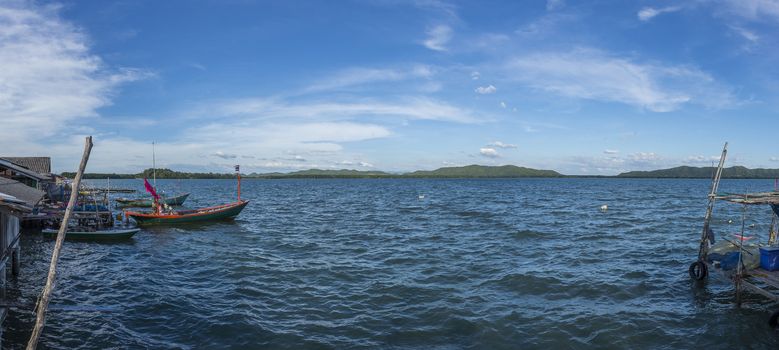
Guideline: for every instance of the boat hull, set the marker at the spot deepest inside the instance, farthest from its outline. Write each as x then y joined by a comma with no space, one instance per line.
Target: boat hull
141,203
221,212
95,235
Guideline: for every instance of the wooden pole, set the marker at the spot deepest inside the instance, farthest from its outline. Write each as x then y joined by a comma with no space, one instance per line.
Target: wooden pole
154,165
238,173
703,250
43,303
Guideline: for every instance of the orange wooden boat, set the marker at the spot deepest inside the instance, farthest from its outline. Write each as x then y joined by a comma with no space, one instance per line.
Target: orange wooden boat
219,212
158,216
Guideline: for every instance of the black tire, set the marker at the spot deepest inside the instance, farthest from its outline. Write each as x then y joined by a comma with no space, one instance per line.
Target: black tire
698,270
773,321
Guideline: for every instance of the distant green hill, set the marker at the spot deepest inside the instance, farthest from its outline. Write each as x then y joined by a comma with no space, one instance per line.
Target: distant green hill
736,172
149,173
475,171
470,171
325,174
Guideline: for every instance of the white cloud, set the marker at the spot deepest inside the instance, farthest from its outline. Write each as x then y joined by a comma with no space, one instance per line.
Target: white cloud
489,152
321,140
484,90
774,159
753,9
287,133
438,37
503,104
548,26
644,157
612,164
362,75
647,13
701,159
501,145
475,75
552,5
595,75
223,155
430,87
416,108
197,66
48,77
610,151
746,34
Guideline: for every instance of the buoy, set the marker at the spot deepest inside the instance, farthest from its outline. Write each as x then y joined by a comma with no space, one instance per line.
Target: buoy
421,196
730,221
604,208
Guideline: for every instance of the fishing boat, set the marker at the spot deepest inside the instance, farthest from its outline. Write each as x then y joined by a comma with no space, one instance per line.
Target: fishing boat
219,212
148,202
85,233
163,214
752,266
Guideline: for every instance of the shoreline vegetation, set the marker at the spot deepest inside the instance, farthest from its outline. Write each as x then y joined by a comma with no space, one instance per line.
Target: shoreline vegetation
470,171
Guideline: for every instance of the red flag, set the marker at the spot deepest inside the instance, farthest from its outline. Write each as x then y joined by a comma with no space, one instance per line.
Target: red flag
150,189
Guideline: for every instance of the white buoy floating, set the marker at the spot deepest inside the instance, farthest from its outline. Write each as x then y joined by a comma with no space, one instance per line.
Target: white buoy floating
604,208
421,196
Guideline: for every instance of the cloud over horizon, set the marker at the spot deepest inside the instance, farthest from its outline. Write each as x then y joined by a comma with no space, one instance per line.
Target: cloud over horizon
595,75
49,77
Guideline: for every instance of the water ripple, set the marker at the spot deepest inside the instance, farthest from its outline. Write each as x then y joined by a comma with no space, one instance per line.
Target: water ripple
333,264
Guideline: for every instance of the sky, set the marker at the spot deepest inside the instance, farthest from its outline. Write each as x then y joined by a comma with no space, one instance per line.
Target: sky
580,87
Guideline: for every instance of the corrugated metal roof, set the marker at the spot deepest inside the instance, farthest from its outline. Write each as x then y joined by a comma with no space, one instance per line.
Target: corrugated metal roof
20,191
37,164
22,170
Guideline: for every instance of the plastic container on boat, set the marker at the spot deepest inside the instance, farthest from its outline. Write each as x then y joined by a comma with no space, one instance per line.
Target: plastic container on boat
769,258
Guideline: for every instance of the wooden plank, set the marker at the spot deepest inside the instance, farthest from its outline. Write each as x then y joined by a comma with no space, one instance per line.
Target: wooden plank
759,290
771,277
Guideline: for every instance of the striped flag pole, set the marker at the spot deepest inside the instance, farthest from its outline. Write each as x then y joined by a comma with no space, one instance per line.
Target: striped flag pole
238,173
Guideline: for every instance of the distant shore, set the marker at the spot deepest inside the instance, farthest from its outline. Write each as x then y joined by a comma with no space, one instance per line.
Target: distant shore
465,172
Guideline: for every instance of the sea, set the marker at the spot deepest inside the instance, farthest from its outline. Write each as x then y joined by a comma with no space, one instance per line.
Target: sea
405,264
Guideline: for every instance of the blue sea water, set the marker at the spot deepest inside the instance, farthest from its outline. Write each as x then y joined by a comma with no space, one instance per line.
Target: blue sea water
339,264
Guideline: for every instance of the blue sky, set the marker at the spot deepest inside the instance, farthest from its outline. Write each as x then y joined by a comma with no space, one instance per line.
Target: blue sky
590,87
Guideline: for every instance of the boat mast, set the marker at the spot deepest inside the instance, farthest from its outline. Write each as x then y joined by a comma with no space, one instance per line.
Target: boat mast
154,165
705,239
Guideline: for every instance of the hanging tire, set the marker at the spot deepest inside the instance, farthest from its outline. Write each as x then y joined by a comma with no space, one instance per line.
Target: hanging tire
698,270
773,321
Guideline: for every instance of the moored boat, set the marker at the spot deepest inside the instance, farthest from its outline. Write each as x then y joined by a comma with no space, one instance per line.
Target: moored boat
219,212
148,202
98,234
163,214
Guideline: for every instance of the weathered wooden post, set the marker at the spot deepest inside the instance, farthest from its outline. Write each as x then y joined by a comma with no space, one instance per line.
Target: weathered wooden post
698,270
43,303
16,260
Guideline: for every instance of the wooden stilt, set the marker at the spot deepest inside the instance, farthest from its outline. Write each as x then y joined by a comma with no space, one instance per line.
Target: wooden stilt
16,260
